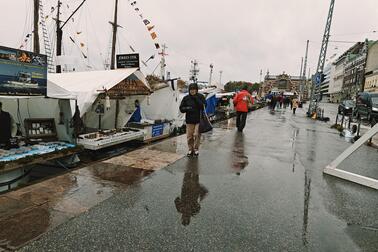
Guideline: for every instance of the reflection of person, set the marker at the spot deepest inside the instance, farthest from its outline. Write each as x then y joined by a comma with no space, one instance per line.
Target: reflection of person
192,193
241,101
7,127
239,160
192,105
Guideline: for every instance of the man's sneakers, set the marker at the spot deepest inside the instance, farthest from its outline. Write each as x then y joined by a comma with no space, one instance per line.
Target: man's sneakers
193,153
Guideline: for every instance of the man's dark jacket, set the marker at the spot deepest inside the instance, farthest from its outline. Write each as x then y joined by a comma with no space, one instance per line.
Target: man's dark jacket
192,105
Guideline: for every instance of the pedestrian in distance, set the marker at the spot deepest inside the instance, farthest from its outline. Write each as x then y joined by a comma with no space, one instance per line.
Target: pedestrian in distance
295,104
291,103
274,102
192,105
281,99
243,101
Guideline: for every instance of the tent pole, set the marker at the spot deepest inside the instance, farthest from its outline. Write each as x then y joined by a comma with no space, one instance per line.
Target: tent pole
116,114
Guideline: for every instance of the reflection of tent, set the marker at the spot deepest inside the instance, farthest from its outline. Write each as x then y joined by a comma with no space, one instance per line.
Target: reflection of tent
123,86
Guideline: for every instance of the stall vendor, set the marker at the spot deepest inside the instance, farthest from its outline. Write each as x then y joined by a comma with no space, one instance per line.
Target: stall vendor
7,127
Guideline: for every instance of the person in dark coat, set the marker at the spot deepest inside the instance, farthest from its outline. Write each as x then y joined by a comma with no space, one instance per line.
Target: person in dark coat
192,105
6,126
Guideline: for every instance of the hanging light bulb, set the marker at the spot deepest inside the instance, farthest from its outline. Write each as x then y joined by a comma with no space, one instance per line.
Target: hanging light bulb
107,102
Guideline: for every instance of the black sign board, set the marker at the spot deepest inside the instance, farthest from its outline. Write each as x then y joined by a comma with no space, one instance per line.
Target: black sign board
128,60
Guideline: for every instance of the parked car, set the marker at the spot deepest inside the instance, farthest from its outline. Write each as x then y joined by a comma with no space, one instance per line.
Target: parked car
346,107
367,106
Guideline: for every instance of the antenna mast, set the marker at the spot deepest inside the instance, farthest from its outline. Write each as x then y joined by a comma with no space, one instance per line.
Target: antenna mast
322,58
194,72
162,61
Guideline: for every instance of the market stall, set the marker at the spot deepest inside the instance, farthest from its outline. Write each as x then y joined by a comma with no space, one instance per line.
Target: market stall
106,101
33,128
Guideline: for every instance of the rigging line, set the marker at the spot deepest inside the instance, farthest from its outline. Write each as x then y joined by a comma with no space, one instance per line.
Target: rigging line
26,18
347,34
96,37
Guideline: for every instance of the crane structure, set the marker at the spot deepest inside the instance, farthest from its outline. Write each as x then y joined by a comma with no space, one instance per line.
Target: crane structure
316,81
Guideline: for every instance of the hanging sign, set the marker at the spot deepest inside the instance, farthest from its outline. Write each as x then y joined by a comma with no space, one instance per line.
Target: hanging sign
22,72
128,60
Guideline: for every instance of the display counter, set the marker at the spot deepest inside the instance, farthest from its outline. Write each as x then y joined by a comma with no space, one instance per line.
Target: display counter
26,155
106,138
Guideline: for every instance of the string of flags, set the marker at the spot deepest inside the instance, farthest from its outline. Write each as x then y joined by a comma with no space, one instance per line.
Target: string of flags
25,42
146,22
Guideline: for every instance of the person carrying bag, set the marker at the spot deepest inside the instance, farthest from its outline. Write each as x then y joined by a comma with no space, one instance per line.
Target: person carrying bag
193,106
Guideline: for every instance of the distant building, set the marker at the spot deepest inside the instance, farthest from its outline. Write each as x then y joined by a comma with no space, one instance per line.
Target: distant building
281,83
324,87
371,70
354,70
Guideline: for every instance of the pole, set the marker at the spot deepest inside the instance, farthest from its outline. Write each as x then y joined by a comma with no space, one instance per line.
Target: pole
304,69
211,74
315,88
36,28
59,32
220,77
300,73
59,38
115,26
162,62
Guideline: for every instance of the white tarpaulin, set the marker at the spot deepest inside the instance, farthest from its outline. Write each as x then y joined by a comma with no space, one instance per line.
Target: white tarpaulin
86,86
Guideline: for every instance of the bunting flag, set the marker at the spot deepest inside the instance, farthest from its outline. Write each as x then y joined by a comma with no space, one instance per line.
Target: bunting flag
52,9
78,33
153,35
25,41
82,44
146,22
47,16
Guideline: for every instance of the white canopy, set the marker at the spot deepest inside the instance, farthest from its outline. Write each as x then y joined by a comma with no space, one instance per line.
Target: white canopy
85,86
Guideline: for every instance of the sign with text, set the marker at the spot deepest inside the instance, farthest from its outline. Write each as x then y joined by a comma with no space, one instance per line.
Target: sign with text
157,130
22,72
128,60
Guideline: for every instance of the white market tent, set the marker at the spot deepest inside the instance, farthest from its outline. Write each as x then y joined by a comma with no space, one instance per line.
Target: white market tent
85,86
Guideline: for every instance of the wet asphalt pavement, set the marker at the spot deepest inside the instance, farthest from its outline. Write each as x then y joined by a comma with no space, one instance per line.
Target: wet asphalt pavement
262,190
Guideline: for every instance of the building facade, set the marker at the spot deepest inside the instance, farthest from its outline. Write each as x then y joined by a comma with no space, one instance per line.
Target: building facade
371,70
324,87
282,83
354,70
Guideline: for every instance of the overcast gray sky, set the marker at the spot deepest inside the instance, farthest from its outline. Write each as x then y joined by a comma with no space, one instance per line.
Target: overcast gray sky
239,37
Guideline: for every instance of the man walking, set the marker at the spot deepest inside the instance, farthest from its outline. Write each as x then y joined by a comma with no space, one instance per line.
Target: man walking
192,105
242,101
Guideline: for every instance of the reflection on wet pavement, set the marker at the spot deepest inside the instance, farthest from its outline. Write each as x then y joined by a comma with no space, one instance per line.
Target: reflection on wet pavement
192,193
29,212
239,159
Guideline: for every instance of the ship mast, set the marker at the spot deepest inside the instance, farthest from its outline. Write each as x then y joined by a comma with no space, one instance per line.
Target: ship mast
59,32
36,46
114,41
